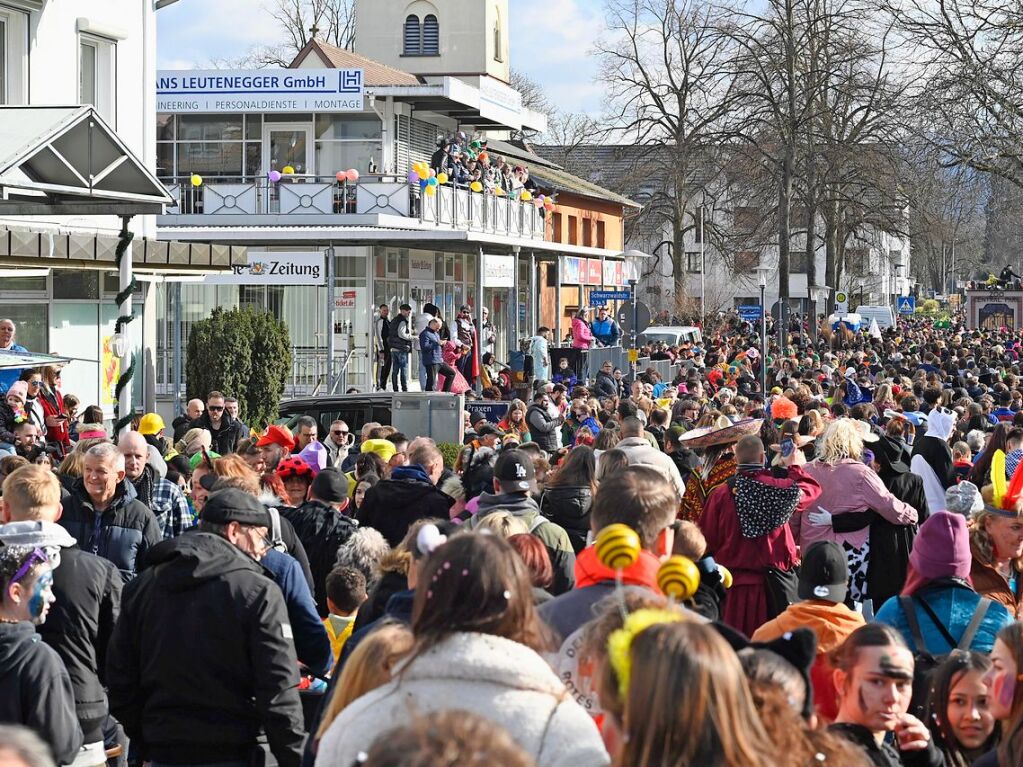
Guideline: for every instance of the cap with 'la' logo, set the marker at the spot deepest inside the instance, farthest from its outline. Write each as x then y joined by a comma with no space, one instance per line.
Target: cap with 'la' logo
514,470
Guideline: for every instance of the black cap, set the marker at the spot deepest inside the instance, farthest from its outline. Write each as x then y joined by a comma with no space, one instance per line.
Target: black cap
232,505
824,573
330,486
487,430
514,471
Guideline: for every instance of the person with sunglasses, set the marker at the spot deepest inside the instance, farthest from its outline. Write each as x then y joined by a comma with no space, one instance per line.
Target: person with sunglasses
339,442
227,431
35,687
202,597
33,378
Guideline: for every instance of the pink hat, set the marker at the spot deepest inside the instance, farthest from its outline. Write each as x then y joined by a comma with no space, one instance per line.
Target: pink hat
942,548
20,388
315,455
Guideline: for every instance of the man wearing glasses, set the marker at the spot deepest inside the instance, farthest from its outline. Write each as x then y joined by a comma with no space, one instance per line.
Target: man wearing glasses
214,712
9,375
226,431
338,442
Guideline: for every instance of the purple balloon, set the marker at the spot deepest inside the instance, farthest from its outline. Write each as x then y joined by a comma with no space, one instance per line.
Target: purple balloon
274,176
413,177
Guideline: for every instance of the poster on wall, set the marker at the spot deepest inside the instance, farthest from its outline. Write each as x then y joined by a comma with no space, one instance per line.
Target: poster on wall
421,268
593,271
498,271
110,369
571,271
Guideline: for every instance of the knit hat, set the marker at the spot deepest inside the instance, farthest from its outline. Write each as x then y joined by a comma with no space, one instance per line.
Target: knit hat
942,547
964,499
330,486
20,388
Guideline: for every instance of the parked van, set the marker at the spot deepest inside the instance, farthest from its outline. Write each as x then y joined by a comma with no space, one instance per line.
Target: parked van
883,314
673,335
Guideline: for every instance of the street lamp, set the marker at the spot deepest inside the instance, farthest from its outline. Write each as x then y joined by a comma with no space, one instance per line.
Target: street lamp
762,273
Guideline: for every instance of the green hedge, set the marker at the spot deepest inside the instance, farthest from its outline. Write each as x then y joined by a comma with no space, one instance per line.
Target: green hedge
450,452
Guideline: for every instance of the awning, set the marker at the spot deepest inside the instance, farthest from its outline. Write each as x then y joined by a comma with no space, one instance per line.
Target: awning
10,359
68,161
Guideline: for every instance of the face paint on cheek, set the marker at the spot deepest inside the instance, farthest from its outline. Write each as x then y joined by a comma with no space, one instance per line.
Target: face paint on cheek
38,602
1008,691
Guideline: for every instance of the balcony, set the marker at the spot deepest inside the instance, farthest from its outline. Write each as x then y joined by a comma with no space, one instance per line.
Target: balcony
321,201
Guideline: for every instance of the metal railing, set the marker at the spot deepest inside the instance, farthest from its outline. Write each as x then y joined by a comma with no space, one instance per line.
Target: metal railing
228,200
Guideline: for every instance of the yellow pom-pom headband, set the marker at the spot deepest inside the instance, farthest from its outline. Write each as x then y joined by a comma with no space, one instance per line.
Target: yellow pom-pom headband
1004,495
619,644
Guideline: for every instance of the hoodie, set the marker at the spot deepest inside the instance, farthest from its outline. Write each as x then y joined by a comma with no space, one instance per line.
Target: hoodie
202,657
35,690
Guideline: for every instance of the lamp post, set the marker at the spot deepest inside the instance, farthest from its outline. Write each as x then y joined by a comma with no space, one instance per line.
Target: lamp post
762,282
818,293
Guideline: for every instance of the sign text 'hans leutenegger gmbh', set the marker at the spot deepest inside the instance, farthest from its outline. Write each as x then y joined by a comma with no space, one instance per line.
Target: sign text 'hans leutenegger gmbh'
259,90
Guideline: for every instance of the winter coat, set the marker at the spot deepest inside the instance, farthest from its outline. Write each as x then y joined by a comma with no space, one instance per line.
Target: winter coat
124,532
393,504
553,536
322,531
399,338
499,679
226,438
88,593
542,427
35,690
605,386
539,351
430,346
607,331
954,603
992,584
641,453
885,754
570,508
582,336
312,645
202,657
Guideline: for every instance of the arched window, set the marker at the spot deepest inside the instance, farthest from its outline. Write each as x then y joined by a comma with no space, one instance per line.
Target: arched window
497,38
413,36
431,36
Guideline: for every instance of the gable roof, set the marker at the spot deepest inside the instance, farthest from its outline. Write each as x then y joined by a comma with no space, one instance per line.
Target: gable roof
373,72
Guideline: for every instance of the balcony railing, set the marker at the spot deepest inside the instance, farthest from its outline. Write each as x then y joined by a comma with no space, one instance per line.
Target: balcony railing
321,200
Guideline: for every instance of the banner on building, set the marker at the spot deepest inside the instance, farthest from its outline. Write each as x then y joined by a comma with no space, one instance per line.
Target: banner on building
259,90
421,268
498,271
275,269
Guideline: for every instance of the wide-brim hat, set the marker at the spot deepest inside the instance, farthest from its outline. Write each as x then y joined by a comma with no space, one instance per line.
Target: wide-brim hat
800,440
865,432
720,434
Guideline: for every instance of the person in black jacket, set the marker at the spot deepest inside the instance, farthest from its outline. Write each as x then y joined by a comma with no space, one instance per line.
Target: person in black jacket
104,516
542,425
409,494
35,689
606,385
568,494
202,656
227,431
87,589
322,527
399,342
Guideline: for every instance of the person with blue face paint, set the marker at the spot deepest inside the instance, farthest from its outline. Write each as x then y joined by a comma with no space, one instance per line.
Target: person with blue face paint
35,688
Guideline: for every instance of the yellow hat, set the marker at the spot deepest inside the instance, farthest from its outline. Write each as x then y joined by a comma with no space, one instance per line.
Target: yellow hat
382,447
151,423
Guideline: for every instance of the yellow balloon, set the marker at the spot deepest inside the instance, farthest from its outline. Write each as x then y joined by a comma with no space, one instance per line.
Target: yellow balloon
678,578
617,546
423,175
442,178
476,186
196,180
726,576
526,195
430,191
287,170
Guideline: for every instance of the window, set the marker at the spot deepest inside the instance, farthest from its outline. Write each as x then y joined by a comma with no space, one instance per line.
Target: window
421,38
587,233
413,37
698,224
856,260
693,261
13,56
573,230
497,37
746,261
97,75
601,234
746,219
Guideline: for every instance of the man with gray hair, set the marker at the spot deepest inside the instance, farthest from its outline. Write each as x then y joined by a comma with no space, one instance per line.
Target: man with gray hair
104,515
9,375
641,453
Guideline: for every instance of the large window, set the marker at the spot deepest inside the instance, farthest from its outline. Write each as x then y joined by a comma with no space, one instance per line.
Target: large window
97,75
421,37
3,59
348,141
217,146
13,56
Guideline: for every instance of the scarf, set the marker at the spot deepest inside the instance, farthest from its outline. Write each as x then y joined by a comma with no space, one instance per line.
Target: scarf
145,484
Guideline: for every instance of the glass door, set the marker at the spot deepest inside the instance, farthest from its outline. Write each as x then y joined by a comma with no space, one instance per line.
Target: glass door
288,145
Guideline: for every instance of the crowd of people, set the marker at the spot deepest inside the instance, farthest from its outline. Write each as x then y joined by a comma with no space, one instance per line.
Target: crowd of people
467,162
634,572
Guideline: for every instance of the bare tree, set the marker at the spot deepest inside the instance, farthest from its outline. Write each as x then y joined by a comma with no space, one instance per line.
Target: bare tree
299,21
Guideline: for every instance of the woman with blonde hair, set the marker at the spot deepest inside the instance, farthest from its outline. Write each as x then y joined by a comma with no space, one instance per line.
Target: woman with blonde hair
502,523
847,485
996,542
194,441
883,398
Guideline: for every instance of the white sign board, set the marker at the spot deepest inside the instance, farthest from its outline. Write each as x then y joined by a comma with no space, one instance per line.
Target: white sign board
841,302
259,90
346,298
421,268
498,271
275,269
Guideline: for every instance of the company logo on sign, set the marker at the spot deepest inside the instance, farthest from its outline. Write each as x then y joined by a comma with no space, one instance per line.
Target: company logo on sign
259,90
274,269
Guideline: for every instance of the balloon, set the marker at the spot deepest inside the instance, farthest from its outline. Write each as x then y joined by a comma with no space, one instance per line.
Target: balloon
353,175
726,576
341,176
548,205
526,195
433,181
678,577
499,191
442,178
287,170
430,190
413,177
423,183
432,172
476,186
540,197
196,180
274,176
617,546
484,156
423,176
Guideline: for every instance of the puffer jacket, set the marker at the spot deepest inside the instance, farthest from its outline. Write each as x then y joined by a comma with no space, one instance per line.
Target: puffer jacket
122,533
542,428
606,385
494,677
570,508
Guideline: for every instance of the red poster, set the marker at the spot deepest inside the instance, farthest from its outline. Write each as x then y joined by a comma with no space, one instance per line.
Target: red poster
593,271
619,273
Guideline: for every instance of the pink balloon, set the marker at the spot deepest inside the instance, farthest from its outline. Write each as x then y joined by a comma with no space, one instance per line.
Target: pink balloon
353,174
341,176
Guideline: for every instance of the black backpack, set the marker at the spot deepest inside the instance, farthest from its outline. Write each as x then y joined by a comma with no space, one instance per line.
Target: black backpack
926,661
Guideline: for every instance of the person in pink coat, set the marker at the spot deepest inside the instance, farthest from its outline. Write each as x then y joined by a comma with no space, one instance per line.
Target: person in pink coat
582,336
451,352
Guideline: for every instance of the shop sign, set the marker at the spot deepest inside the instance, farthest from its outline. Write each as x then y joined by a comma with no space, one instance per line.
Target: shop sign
421,268
346,299
259,90
498,271
275,269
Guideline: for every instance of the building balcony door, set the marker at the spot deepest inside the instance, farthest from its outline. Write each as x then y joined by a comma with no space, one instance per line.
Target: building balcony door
288,145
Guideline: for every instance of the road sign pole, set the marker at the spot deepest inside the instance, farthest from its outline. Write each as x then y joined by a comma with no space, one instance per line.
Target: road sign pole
634,333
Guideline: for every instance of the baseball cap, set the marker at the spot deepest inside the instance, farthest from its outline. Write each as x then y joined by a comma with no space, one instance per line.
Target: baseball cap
330,486
151,423
277,435
233,505
514,471
824,573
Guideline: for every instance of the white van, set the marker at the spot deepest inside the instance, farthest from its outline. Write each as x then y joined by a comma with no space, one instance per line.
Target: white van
673,335
883,314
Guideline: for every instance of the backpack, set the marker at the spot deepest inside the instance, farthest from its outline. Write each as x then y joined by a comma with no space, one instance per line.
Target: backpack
926,661
276,540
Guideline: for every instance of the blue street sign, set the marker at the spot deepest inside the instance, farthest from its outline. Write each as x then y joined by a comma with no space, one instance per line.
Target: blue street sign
750,312
601,297
907,304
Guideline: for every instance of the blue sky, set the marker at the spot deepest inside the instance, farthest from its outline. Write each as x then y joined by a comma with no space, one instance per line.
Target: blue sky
550,40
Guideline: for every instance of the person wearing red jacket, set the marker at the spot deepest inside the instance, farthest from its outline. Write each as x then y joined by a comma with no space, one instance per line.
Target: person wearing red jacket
745,522
58,423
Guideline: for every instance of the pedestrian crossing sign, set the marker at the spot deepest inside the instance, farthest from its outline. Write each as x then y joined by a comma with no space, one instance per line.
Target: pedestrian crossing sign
907,304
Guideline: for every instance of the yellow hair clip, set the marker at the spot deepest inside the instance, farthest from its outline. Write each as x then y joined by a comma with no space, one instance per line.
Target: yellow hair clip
619,644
